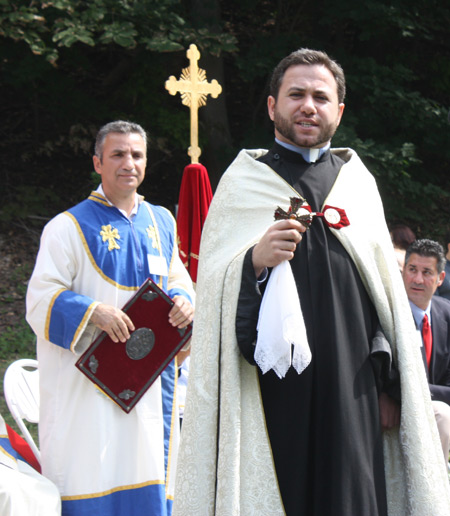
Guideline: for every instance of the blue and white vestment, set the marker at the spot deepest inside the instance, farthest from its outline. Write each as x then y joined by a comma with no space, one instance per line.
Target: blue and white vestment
103,460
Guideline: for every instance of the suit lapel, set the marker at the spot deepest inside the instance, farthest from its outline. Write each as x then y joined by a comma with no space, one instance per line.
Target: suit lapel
439,331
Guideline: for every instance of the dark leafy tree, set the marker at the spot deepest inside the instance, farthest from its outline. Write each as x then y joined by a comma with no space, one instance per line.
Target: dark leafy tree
68,66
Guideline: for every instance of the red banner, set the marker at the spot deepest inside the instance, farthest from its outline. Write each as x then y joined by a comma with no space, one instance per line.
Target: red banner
194,200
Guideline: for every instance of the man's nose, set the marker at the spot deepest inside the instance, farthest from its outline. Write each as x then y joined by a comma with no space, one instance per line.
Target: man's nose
128,163
418,278
308,106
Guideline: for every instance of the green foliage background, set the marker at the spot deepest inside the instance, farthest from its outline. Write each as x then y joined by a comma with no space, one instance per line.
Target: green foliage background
68,66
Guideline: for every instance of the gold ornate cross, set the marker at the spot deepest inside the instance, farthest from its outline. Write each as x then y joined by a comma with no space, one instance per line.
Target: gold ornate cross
194,89
151,232
110,235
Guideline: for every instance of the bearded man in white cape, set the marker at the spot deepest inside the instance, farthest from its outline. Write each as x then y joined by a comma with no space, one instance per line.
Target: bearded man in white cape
306,393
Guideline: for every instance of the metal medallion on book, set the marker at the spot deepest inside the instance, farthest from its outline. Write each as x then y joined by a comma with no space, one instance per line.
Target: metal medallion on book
124,372
140,343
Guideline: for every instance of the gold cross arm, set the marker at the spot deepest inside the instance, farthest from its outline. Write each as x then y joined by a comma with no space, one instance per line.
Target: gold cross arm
194,89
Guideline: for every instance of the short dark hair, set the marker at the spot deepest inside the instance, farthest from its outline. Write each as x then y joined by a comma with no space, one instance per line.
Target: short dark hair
426,247
118,126
306,56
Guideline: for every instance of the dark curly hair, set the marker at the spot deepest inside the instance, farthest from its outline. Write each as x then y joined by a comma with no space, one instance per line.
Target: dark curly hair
426,247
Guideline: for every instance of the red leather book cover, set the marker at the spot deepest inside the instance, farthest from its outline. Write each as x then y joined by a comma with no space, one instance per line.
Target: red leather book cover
125,371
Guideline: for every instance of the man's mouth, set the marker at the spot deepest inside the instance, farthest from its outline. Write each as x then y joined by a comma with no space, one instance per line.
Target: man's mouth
306,124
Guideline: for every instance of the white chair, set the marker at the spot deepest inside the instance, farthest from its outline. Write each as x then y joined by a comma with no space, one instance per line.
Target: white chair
21,388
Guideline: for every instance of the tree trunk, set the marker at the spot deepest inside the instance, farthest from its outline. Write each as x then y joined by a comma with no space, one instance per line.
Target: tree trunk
214,127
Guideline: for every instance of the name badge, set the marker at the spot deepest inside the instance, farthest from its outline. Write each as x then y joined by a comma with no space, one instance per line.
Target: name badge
157,265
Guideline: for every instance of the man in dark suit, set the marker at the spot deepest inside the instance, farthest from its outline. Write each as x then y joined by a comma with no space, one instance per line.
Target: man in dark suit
422,274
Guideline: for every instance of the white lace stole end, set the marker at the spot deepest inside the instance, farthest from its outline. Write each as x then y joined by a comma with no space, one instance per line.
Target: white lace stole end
282,339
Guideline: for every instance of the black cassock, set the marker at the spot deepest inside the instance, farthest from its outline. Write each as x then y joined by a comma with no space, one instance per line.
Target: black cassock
323,424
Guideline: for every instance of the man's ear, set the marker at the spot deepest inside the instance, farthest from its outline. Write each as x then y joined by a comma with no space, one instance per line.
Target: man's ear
441,278
97,164
341,107
271,106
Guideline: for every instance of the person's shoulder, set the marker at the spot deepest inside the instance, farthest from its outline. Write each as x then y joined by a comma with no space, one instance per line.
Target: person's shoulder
247,159
93,200
262,155
442,305
337,159
245,156
155,207
81,211
61,227
161,212
352,163
62,217
346,154
252,153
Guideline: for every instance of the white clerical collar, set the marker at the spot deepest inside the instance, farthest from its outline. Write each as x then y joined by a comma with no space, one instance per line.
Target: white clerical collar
419,314
309,155
123,212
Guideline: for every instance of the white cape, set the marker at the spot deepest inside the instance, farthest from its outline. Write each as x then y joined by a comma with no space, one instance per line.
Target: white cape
225,465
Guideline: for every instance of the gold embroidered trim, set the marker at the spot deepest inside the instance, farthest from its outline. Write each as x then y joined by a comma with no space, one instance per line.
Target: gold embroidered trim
49,313
96,197
114,490
175,247
158,239
2,450
91,307
174,420
91,258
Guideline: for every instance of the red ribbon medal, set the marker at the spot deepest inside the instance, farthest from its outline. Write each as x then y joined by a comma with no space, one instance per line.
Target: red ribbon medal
300,210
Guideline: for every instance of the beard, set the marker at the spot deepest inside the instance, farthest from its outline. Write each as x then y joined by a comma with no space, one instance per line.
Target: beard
287,129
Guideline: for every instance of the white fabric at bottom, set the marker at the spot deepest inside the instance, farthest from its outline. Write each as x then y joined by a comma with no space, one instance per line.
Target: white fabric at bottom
24,492
282,339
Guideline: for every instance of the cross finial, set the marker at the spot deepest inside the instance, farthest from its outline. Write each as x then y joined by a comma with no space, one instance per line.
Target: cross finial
194,89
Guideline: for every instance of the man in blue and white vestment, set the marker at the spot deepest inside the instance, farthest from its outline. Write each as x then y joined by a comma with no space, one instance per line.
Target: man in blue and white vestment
92,259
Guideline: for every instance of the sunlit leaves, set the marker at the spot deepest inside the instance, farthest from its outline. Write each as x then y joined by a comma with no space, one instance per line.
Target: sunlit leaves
157,25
